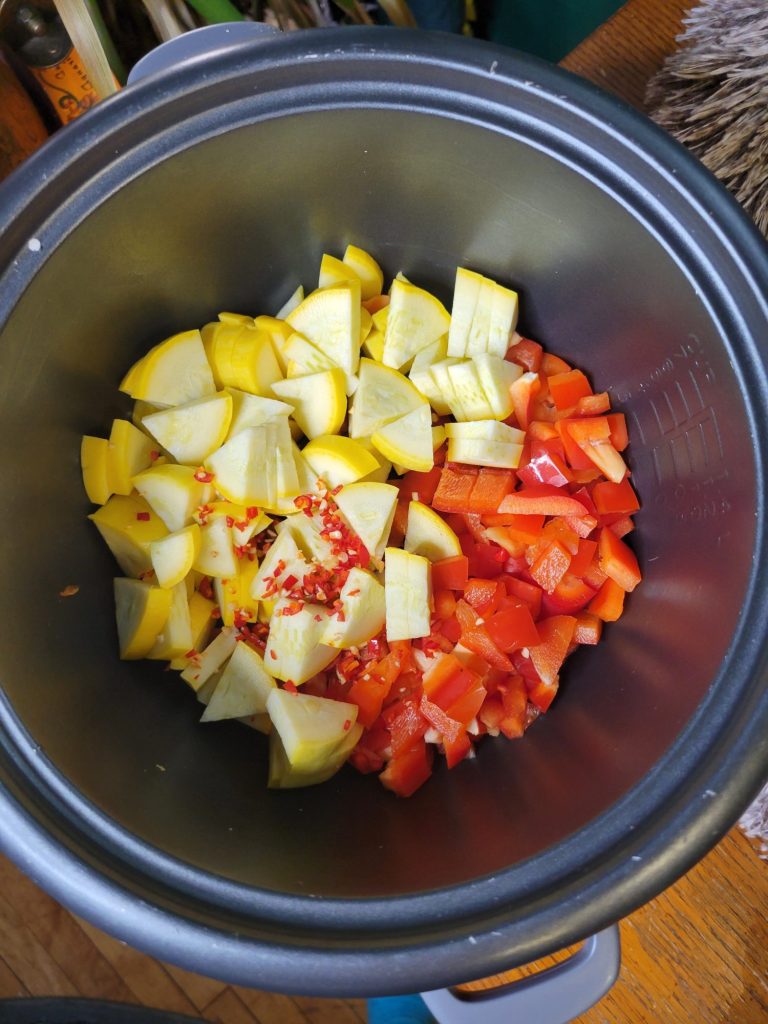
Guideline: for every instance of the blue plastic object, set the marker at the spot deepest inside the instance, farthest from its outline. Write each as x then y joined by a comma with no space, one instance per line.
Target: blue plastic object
399,1010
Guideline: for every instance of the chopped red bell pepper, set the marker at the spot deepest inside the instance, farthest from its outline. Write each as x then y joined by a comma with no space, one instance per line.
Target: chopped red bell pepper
618,561
617,421
526,353
577,459
545,465
547,501
368,692
409,769
514,699
608,603
593,405
456,750
512,626
399,523
448,727
540,430
593,436
588,629
445,604
556,634
450,573
568,387
569,596
485,560
552,364
492,485
522,392
455,487
583,558
406,724
423,485
464,709
447,681
610,498
551,565
621,527
527,592
376,303
484,595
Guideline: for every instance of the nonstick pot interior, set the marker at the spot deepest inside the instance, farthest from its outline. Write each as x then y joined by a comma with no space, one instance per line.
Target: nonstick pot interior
182,201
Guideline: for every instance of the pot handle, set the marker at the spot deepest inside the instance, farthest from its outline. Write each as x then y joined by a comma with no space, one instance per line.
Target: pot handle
199,42
554,996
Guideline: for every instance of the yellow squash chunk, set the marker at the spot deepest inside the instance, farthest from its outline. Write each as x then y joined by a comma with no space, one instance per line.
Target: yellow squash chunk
240,468
333,272
190,432
305,530
294,299
367,269
380,318
302,357
469,400
382,395
338,460
173,492
283,559
128,526
362,602
466,291
294,651
142,409
428,534
415,320
483,316
206,663
408,441
253,410
477,452
174,555
442,388
216,552
280,461
233,593
496,377
485,430
283,775
242,357
366,324
433,353
310,728
279,332
174,372
408,594
175,639
201,617
235,318
330,319
438,436
369,509
141,611
319,401
243,688
373,345
129,452
94,463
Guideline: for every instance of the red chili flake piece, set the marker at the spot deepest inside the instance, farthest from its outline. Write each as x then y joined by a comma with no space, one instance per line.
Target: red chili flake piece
293,608
354,593
273,655
336,490
302,502
203,476
216,613
240,618
154,455
203,513
143,517
147,574
230,522
252,512
318,618
242,550
191,654
206,587
347,725
69,591
290,582
290,686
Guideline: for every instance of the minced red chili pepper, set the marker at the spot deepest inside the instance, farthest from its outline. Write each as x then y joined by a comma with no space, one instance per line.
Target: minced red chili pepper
143,517
203,476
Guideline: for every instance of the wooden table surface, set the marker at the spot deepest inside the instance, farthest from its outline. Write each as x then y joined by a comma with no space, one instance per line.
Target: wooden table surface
698,954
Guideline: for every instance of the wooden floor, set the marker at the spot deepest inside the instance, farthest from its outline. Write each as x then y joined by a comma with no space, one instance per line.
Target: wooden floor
698,953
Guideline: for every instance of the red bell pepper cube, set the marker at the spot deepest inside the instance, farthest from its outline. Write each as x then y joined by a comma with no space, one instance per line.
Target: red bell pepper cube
593,405
618,561
526,353
526,592
399,523
475,637
464,709
485,560
552,364
558,529
512,626
451,630
570,595
445,604
621,527
545,465
617,421
567,388
594,576
523,392
450,573
611,498
542,695
546,501
423,485
556,634
588,628
540,430
581,525
484,595
456,750
406,725
448,727
583,558
492,485
369,691
514,700
551,565
409,770
446,680
526,529
455,487
608,602
576,458
376,303
593,436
